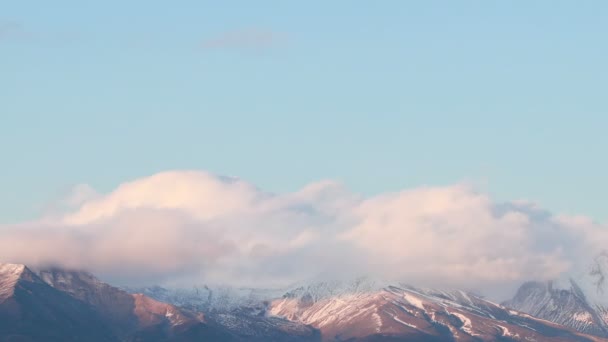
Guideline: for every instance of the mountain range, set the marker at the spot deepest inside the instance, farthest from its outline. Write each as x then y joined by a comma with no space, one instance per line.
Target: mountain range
62,305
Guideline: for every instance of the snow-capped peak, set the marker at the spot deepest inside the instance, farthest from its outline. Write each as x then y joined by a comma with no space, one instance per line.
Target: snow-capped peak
9,276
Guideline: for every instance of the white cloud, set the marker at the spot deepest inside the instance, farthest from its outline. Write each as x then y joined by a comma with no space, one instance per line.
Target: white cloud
199,194
195,226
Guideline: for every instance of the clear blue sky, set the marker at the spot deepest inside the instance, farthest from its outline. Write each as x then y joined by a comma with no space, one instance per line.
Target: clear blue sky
382,95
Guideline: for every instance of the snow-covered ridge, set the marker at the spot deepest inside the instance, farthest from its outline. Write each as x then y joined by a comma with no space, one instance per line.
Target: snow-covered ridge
578,300
9,276
211,299
407,311
321,310
364,307
225,298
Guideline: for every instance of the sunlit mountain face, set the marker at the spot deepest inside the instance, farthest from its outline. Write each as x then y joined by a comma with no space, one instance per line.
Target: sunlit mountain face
61,305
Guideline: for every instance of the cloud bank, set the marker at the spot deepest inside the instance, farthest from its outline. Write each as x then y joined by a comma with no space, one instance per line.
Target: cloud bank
193,226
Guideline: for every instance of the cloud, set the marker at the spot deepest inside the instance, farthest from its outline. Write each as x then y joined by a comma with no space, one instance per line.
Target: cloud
13,30
250,38
192,226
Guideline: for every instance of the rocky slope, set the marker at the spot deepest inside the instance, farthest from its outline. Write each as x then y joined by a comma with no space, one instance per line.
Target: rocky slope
59,305
406,313
562,303
241,311
31,310
364,310
578,300
123,311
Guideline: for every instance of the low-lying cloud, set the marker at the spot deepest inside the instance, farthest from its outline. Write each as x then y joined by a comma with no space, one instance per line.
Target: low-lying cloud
190,226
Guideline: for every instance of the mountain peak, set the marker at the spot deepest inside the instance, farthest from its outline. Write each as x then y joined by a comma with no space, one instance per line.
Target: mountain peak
11,270
10,274
563,303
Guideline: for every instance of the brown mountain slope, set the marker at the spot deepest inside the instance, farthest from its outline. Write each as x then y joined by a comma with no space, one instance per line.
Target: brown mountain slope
404,313
133,316
31,310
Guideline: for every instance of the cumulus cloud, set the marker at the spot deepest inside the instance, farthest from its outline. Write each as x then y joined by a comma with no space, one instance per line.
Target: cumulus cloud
193,226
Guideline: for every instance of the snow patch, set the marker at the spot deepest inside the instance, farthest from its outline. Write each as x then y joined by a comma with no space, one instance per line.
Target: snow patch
404,323
582,317
377,320
415,301
467,326
506,332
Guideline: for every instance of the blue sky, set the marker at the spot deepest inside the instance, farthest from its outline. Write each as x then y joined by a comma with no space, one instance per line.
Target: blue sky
380,95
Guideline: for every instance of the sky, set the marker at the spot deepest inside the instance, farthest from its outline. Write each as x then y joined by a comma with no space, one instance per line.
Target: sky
382,97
